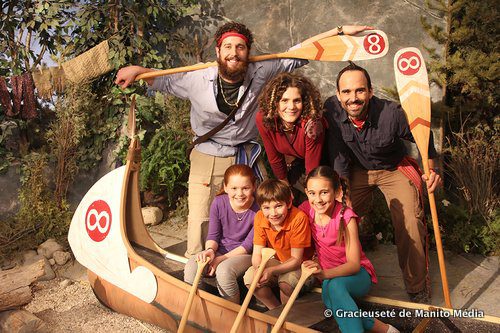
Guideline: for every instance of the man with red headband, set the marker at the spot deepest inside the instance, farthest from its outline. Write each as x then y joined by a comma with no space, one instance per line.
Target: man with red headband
214,92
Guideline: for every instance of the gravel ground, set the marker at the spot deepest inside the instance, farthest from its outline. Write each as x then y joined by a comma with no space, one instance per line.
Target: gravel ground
74,308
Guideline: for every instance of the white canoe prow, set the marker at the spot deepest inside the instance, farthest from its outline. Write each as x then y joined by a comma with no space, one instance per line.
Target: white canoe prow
97,242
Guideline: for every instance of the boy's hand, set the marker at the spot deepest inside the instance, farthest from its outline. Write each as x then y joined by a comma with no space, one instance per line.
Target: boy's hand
267,274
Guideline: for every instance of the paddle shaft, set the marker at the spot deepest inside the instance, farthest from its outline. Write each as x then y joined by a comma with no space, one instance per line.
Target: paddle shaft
192,292
196,67
437,236
249,295
303,277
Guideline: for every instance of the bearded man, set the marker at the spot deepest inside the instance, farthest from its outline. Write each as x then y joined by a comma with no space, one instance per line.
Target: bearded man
214,92
365,141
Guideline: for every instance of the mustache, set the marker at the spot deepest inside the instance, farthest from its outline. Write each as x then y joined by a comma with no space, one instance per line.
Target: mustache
357,102
228,58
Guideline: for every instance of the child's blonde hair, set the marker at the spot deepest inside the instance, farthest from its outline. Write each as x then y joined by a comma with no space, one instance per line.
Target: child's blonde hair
337,183
273,190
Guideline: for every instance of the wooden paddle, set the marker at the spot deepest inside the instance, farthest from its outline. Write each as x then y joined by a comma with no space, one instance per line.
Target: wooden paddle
305,273
192,292
413,89
267,253
368,45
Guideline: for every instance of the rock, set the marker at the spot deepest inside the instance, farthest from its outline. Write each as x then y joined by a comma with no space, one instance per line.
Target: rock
152,215
29,257
52,262
18,321
64,283
61,257
48,247
49,272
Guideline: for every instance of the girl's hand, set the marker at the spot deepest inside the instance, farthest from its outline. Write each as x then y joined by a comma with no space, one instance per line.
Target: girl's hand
212,267
314,265
204,255
354,29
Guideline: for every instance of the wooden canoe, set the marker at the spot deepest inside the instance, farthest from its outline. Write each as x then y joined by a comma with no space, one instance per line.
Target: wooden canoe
128,271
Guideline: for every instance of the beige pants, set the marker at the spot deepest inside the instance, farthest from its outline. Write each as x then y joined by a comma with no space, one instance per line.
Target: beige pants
206,176
407,218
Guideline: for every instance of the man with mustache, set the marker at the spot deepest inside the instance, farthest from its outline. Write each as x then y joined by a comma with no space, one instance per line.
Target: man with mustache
214,92
365,143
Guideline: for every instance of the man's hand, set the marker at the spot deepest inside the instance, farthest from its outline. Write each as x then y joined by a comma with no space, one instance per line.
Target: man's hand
126,75
354,29
433,181
313,128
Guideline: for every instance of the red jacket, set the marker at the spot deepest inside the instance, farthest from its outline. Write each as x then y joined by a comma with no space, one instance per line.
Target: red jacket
277,145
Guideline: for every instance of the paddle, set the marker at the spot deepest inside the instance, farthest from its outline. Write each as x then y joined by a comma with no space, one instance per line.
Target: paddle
413,89
305,273
372,45
192,292
267,253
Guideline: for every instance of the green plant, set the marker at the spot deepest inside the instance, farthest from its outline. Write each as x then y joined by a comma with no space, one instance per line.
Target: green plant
40,215
164,163
473,223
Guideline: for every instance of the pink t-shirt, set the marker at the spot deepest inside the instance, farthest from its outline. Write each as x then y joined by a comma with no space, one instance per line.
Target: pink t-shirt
325,238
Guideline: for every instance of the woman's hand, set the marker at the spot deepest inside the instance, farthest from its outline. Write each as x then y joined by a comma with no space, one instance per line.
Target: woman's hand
354,29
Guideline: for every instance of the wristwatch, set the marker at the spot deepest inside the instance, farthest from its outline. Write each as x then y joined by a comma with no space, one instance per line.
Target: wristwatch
340,30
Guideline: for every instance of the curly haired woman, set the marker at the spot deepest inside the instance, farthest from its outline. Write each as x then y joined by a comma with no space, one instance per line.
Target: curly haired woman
290,122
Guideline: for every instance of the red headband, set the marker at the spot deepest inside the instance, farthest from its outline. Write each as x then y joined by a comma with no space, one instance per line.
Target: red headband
230,34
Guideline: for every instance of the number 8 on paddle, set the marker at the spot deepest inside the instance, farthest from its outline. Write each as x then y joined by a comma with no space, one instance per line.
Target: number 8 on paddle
413,90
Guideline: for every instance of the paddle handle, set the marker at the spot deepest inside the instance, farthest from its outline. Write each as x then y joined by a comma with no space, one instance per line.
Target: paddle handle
249,295
192,292
281,319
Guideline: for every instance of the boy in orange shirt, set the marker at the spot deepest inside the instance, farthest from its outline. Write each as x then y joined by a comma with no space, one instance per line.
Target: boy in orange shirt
284,228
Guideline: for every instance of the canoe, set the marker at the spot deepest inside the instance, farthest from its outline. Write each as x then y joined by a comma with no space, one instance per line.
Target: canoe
132,275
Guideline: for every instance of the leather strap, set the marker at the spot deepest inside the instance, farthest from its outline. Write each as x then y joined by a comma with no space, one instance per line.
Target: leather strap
217,128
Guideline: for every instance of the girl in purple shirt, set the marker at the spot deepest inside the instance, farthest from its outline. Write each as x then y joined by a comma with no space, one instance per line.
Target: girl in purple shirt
230,232
343,267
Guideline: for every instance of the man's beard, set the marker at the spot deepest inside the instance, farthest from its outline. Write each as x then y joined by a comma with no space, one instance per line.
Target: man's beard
237,74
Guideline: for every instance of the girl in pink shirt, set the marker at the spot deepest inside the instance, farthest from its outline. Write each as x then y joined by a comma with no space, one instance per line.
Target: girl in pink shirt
343,267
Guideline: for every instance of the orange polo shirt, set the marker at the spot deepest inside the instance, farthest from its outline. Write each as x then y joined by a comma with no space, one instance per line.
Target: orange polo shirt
295,233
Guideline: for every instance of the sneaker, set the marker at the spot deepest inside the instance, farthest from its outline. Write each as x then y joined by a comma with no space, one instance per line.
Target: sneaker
392,329
419,297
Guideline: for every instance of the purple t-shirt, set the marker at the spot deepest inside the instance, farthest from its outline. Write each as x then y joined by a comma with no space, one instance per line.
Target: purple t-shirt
228,228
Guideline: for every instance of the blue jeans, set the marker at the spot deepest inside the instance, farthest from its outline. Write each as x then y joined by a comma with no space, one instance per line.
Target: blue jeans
338,294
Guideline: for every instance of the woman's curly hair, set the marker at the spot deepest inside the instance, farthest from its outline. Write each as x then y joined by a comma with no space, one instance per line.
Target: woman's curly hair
274,90
236,27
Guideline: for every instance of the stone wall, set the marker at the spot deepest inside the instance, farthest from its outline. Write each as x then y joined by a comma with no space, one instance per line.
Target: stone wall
277,25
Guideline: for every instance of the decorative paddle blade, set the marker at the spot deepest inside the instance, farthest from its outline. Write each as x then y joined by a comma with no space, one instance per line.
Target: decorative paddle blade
368,45
413,89
372,45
